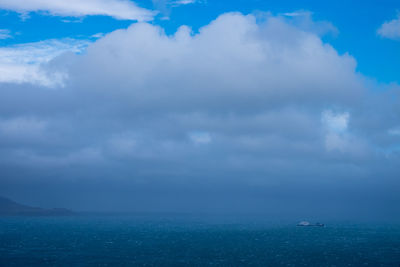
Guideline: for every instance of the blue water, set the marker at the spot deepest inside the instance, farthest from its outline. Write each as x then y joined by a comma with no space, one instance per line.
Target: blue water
181,241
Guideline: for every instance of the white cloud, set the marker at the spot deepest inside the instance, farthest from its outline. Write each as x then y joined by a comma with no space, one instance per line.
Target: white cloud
5,34
183,2
232,57
232,66
74,20
22,63
119,9
394,131
300,13
336,122
165,6
390,29
303,19
336,137
98,35
261,88
200,137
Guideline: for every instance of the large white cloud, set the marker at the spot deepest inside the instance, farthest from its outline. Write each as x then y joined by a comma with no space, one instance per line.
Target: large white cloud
233,58
260,87
119,9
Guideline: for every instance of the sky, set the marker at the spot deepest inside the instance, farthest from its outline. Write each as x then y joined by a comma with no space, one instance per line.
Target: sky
286,108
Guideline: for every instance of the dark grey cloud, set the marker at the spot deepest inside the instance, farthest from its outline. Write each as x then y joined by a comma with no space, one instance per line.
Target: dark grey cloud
244,115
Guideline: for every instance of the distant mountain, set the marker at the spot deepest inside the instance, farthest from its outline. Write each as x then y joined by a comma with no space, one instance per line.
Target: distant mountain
9,207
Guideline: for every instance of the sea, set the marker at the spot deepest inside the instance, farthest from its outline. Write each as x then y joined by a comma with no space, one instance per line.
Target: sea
183,240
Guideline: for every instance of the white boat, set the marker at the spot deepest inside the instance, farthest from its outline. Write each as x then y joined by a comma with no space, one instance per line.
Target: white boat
306,223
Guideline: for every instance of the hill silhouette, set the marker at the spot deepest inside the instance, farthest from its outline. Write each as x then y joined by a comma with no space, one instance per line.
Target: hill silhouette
10,207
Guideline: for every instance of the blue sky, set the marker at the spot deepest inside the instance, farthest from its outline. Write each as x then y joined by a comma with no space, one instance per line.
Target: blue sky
286,107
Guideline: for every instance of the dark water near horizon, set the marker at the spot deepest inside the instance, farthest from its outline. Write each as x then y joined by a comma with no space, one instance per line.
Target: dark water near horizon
186,241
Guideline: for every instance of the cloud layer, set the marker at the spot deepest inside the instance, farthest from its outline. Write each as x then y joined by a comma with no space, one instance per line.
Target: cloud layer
254,113
119,9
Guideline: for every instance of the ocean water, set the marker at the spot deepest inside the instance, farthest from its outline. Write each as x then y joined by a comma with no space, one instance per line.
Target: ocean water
117,240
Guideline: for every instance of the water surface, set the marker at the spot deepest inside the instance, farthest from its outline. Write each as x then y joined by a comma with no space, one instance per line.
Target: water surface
192,241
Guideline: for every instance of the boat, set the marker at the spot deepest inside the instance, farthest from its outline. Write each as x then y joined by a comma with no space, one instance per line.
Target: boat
306,223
